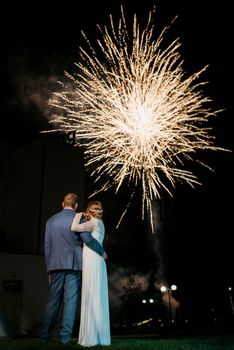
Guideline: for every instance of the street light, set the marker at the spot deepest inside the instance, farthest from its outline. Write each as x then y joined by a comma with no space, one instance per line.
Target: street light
165,289
151,301
173,287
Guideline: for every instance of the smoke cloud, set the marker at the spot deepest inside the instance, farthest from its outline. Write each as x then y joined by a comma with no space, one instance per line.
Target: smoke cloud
122,280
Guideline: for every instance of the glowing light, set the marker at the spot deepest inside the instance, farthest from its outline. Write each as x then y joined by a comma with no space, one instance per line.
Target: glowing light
134,109
143,322
163,289
173,287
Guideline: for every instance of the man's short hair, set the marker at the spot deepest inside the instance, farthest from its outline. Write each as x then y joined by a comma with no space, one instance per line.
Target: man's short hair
70,200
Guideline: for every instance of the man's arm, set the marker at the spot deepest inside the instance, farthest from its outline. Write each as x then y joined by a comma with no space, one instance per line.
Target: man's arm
92,243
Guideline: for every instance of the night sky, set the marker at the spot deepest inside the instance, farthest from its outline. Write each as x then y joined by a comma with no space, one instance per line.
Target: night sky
40,41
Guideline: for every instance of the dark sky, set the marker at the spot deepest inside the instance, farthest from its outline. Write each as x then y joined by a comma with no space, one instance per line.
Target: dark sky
40,41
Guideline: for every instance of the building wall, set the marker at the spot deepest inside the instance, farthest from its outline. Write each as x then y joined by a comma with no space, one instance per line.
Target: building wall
36,178
23,293
33,181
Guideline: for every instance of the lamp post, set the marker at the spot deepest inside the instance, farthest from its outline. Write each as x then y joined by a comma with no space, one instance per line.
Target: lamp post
164,289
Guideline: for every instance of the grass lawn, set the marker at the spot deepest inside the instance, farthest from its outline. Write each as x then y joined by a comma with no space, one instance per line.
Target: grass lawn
223,342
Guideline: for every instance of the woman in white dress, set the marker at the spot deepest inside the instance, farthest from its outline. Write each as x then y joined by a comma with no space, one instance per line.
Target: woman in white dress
94,319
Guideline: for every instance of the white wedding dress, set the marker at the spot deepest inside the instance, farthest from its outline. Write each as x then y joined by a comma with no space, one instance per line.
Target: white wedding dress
94,319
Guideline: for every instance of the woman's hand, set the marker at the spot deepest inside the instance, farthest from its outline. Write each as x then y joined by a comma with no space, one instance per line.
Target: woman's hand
88,216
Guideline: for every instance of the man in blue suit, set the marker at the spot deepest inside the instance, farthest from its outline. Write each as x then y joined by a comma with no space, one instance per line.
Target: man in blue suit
63,258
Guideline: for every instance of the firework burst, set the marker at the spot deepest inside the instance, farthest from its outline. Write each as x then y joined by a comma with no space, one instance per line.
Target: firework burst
134,109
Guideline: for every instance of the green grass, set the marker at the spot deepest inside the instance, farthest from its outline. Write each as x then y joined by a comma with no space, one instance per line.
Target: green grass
189,343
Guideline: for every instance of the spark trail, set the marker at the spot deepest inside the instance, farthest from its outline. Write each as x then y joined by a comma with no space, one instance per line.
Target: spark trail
135,110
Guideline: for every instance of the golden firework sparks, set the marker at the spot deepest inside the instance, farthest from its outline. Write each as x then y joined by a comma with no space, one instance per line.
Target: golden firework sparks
135,110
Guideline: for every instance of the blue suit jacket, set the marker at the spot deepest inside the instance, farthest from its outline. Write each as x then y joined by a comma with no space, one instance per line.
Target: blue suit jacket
63,248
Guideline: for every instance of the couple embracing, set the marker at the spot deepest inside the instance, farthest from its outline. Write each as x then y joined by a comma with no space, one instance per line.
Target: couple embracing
75,262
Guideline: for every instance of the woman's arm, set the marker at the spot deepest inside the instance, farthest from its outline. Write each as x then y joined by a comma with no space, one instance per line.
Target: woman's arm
86,235
76,220
86,226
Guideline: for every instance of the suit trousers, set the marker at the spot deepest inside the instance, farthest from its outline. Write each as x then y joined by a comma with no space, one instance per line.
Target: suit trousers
64,287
